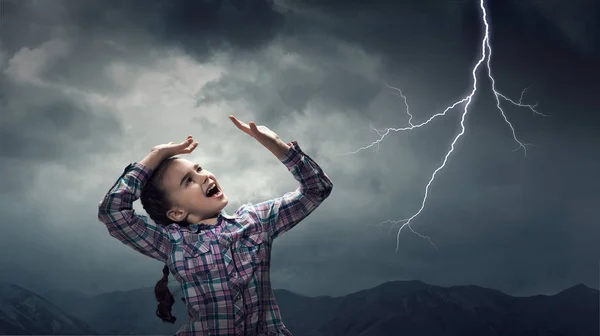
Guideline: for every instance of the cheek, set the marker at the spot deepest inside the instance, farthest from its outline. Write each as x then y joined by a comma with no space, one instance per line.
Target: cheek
197,192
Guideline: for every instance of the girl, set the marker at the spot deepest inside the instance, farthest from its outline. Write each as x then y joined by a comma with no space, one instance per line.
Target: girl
221,261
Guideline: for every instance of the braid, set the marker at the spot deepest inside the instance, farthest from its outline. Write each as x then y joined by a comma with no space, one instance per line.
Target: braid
156,203
165,298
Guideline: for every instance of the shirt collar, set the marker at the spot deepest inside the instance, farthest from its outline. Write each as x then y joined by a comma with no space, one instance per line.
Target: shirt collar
197,227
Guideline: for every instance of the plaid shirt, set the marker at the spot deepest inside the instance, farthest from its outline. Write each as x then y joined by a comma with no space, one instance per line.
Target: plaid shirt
223,269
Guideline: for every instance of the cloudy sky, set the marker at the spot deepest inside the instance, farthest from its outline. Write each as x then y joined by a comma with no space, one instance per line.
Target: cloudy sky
87,87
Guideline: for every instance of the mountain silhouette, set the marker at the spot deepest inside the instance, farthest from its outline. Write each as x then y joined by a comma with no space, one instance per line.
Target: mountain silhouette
392,308
25,313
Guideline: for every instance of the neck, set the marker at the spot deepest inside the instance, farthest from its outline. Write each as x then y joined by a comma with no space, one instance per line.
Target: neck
211,220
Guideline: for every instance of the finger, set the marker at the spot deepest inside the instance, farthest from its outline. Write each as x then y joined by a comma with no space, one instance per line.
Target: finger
237,121
254,129
189,137
190,148
241,125
186,143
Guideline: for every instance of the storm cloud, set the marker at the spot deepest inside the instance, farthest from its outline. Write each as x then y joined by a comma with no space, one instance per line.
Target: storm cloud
87,87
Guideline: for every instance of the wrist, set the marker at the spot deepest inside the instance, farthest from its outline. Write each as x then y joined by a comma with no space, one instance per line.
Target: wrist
158,153
279,148
153,159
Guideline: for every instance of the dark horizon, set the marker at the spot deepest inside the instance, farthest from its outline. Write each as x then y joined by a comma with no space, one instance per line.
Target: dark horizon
175,289
418,309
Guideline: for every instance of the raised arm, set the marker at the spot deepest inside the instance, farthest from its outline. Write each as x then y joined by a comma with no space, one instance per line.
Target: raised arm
116,209
281,214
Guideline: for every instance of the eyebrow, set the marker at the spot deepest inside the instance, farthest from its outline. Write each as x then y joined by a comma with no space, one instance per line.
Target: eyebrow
187,175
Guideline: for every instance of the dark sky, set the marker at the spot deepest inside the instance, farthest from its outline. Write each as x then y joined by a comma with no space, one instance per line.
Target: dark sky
88,86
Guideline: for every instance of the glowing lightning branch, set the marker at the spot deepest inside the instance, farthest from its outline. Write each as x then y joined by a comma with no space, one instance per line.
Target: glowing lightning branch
486,52
410,116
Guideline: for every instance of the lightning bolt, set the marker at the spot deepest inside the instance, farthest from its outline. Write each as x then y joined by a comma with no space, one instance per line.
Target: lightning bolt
486,54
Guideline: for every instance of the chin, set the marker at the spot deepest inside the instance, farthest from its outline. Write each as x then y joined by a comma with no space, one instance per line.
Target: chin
224,200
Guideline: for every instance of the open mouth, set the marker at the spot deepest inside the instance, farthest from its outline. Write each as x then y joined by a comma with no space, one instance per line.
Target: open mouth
214,191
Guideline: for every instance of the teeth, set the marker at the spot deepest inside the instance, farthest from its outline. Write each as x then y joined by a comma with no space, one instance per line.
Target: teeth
211,188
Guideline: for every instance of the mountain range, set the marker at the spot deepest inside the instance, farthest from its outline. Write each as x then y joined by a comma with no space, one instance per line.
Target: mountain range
393,308
24,312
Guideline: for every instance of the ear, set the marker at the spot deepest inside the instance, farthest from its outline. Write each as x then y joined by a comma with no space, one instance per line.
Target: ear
176,214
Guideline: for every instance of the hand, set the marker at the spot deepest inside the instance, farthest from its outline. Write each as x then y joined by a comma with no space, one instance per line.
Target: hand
262,134
166,151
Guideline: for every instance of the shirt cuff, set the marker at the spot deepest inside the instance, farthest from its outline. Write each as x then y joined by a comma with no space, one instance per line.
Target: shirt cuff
141,171
293,155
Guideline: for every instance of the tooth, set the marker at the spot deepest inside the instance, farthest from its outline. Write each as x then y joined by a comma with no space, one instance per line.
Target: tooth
211,188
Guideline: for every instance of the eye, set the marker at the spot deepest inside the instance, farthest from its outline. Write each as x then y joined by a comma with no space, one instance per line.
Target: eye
189,179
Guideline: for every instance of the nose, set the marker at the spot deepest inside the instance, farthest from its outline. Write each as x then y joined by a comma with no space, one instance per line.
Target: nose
204,177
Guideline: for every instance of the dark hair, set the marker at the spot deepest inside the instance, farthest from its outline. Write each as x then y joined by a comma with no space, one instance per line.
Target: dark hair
153,197
156,203
165,298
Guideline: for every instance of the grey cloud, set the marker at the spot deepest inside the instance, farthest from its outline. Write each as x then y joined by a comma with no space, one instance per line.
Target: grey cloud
194,26
500,219
135,31
334,79
54,129
43,124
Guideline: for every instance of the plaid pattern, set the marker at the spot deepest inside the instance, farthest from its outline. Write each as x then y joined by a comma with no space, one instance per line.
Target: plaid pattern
223,269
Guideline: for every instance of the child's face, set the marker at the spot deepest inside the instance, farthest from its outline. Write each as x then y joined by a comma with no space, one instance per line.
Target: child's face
189,188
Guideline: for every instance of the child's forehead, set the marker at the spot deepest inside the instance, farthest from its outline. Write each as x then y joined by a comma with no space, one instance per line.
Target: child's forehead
184,161
180,164
176,170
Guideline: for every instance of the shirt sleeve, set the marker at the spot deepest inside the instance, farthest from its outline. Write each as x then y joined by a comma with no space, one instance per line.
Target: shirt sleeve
136,231
278,215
